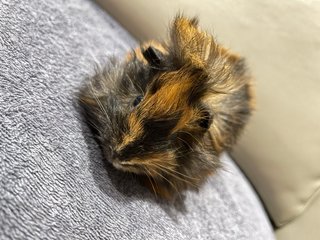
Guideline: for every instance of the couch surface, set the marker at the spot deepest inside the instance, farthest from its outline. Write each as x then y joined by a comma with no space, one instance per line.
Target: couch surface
53,181
280,150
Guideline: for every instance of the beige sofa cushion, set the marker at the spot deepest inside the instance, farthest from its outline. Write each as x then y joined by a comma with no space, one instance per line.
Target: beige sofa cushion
304,227
280,151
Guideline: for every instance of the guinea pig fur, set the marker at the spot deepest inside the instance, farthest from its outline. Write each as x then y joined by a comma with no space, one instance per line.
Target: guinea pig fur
170,108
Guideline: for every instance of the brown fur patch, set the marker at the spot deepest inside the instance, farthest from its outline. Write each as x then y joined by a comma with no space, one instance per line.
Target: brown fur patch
135,131
171,98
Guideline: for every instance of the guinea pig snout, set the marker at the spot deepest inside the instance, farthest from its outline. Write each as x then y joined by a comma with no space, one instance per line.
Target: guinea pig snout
114,159
124,164
116,163
111,155
117,157
114,156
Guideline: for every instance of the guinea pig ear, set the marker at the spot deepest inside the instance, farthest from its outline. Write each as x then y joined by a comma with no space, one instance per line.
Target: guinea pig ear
206,118
153,56
189,44
198,50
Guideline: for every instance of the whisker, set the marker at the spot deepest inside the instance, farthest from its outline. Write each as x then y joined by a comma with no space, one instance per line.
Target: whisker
186,143
175,176
167,170
98,101
172,184
154,190
174,171
134,85
197,140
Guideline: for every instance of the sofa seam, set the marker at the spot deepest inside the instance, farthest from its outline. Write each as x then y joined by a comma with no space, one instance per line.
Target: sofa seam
307,204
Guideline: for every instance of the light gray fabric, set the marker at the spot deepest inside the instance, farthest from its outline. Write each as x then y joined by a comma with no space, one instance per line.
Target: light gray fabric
53,184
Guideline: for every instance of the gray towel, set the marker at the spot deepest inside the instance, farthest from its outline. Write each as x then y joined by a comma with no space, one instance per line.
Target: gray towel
53,182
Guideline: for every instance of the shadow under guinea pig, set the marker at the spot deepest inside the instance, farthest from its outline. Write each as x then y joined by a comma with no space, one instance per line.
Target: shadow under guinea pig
118,184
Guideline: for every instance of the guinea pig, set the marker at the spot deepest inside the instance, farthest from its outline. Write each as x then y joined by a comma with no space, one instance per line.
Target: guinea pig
170,108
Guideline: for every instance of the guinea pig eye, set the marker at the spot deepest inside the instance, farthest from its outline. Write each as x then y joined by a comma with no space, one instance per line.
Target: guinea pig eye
137,100
153,56
206,120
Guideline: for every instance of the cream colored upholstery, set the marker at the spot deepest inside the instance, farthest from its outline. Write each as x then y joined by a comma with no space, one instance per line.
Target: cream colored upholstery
304,227
280,150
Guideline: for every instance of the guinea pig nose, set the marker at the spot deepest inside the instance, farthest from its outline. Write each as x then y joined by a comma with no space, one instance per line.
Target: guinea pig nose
115,154
119,156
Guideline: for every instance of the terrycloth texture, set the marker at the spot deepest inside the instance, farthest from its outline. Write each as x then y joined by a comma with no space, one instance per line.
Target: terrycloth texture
53,183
